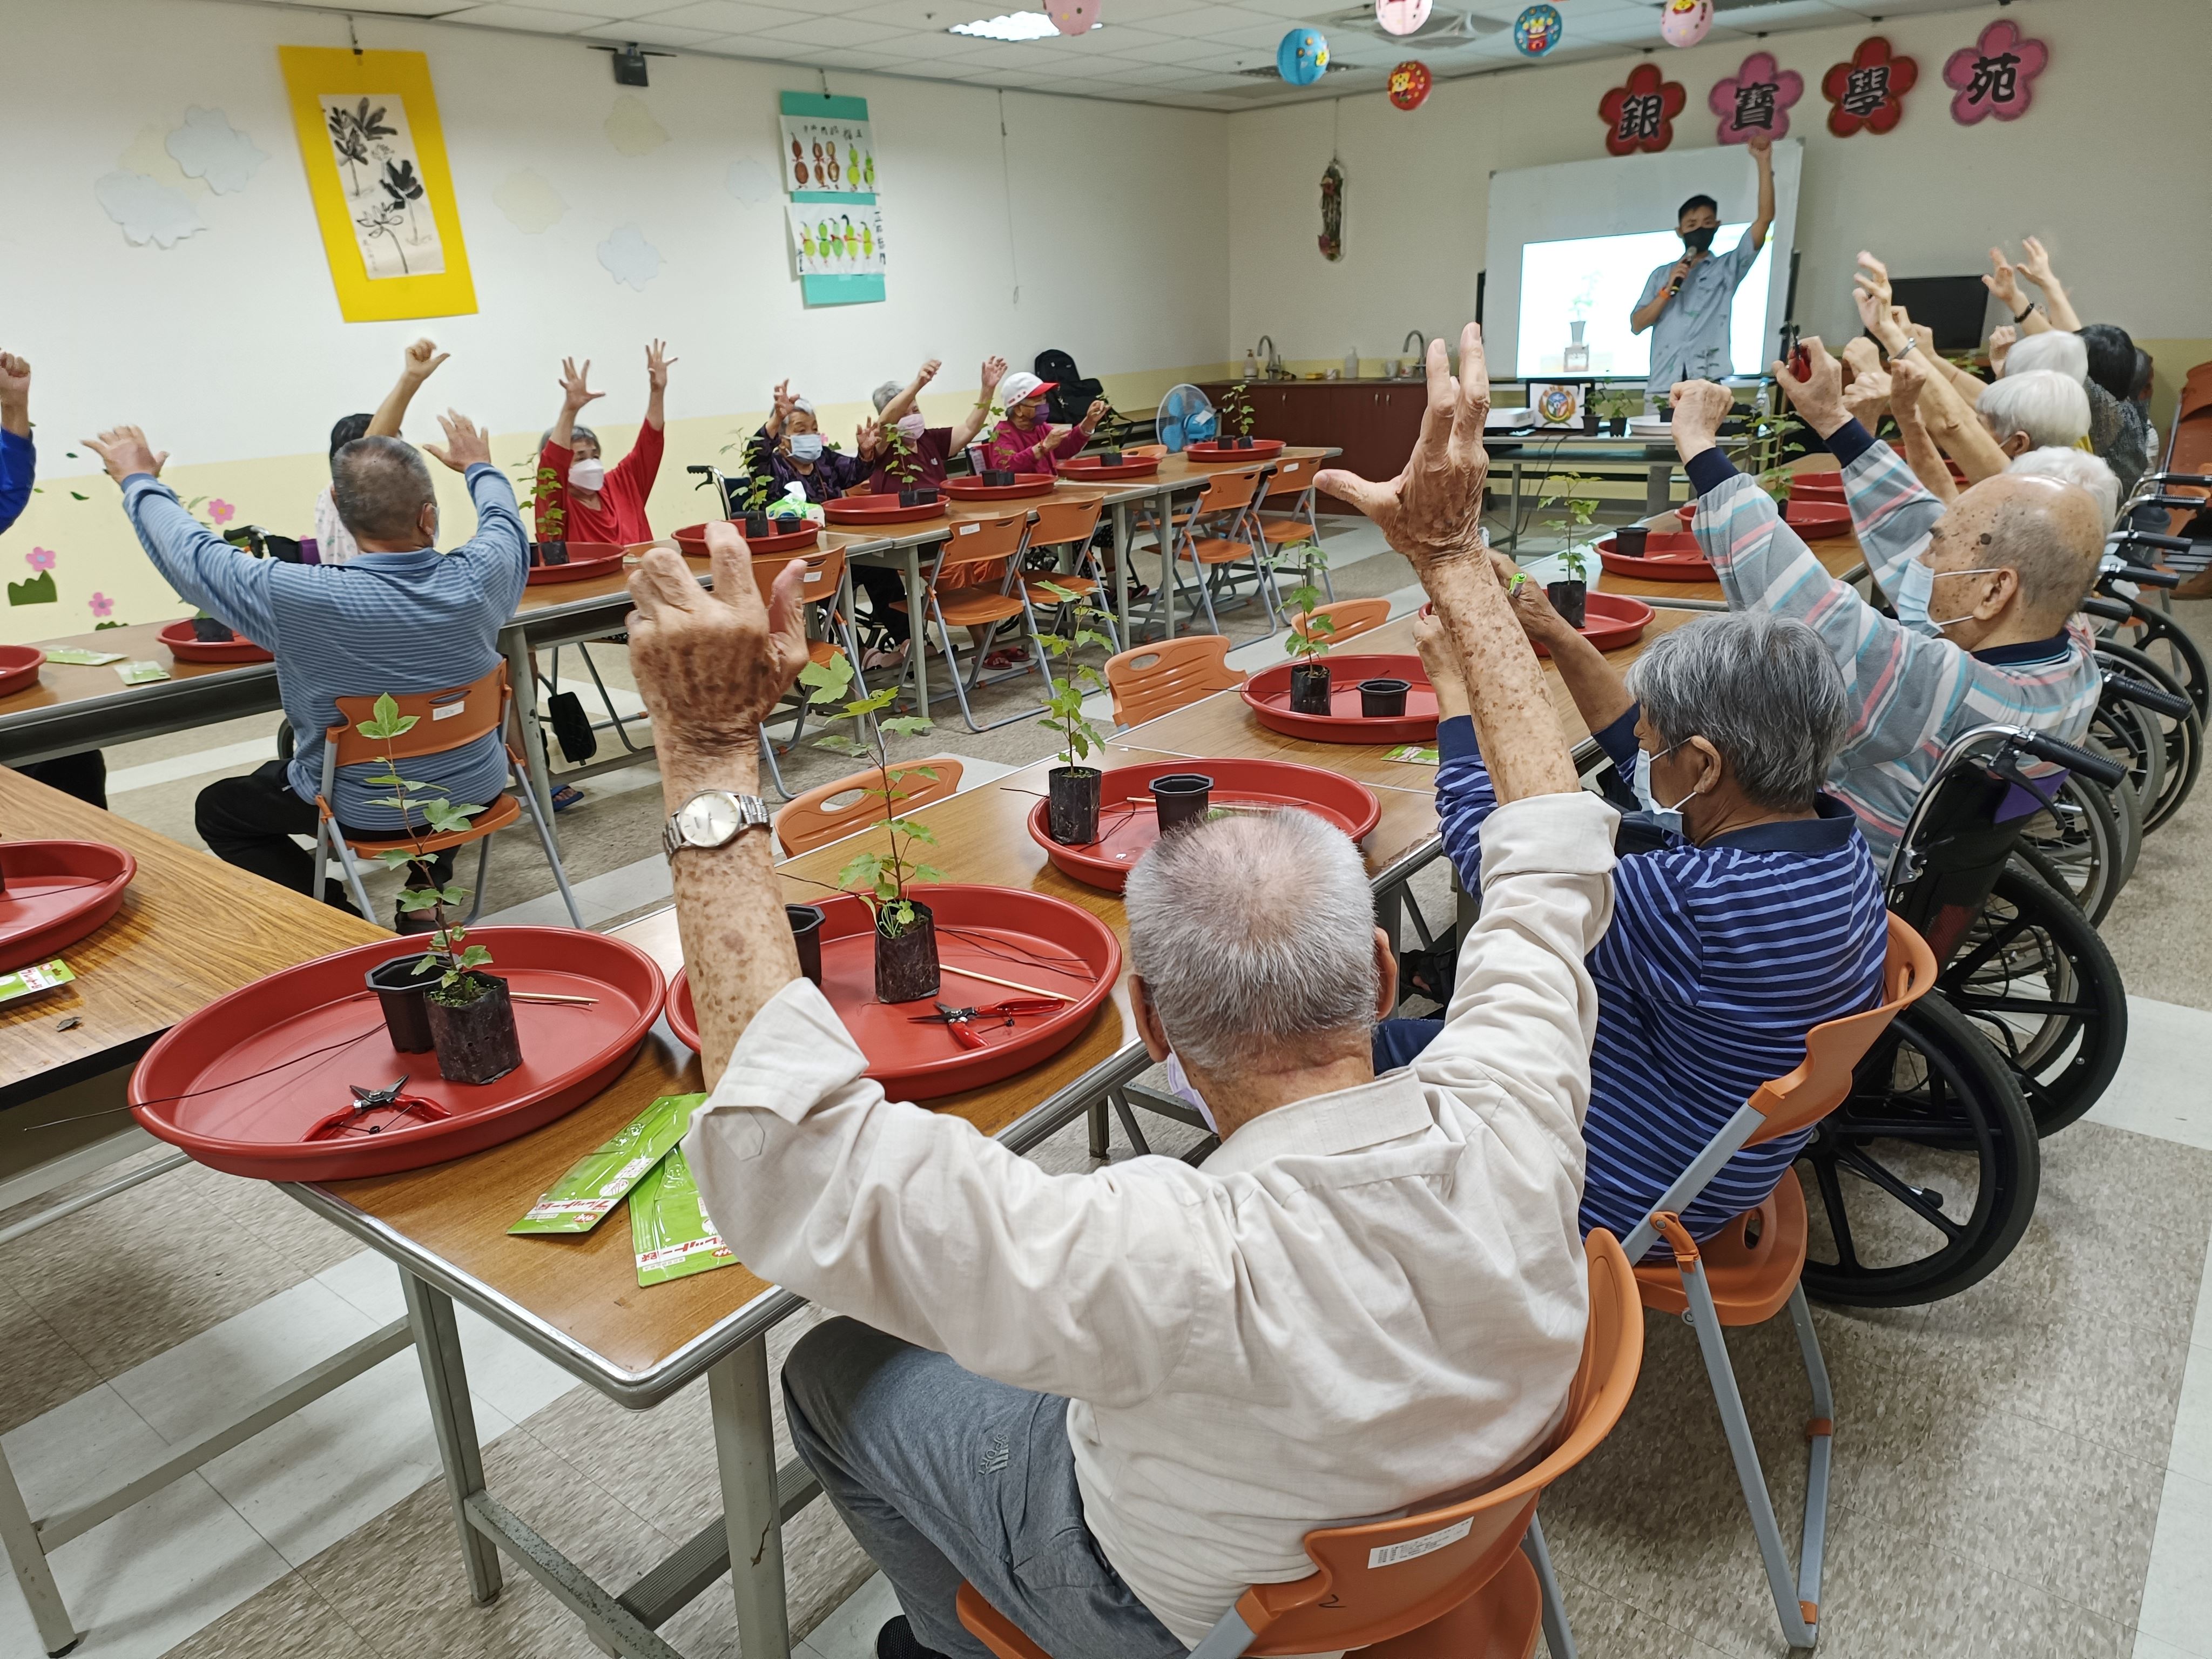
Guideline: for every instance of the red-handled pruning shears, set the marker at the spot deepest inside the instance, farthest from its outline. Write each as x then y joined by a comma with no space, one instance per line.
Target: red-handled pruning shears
961,1021
403,1108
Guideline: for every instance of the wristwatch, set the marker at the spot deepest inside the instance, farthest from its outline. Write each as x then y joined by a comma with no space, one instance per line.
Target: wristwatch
713,817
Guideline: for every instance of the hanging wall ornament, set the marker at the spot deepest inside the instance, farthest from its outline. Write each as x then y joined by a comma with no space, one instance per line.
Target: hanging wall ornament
1757,98
1538,29
1401,17
1684,22
1640,115
1995,75
1409,84
1303,58
1332,210
1073,16
1869,92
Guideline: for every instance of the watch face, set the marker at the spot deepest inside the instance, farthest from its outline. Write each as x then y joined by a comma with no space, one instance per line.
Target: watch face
708,820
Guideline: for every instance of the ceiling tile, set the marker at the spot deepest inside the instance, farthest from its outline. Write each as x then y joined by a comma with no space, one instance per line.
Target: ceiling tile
830,32
534,18
1202,21
726,16
646,33
592,10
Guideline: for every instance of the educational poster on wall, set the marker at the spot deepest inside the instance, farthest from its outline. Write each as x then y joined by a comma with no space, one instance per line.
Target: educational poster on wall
375,159
829,160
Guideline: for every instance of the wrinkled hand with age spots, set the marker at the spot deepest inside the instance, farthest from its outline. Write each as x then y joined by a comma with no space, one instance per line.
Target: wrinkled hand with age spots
710,666
1432,510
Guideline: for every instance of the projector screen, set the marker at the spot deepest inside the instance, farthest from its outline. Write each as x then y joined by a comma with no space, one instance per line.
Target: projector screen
1597,280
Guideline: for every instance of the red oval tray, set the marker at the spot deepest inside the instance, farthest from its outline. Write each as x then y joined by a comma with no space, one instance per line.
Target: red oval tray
1668,556
1005,932
57,892
1261,450
692,539
1025,486
19,667
185,648
1128,825
1817,487
1609,621
1085,467
882,509
599,559
1268,692
253,1084
1817,520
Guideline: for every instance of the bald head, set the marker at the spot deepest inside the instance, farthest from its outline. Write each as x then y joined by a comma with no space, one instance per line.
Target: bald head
2046,530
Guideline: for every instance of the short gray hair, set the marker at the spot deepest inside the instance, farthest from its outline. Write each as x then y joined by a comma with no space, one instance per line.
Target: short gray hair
380,486
883,393
2076,466
1762,689
1251,933
2051,409
574,433
2054,349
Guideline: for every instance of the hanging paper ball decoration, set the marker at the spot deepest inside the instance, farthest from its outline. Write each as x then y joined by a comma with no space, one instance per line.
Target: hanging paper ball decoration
1538,29
1409,84
1301,56
1684,22
1073,16
1401,17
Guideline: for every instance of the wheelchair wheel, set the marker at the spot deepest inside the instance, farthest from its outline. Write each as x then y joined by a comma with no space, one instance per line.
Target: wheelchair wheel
2034,978
2184,738
2153,634
2130,734
1925,1178
2079,837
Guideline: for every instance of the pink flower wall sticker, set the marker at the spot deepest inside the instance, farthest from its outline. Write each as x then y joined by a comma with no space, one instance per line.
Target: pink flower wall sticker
221,511
101,605
40,558
1756,98
1995,75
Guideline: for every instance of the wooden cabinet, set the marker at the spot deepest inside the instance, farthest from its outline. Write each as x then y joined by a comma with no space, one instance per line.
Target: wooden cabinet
1375,423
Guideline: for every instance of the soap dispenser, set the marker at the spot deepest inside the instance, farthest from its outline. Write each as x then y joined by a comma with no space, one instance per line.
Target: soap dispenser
1251,365
1351,364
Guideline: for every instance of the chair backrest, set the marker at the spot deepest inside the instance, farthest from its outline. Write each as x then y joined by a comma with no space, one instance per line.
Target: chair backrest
974,540
1348,618
1159,678
443,719
825,571
810,819
1230,490
1379,1580
1064,521
1820,1084
1292,478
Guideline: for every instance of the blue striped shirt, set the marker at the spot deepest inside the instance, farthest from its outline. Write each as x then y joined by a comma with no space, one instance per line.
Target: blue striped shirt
1720,958
401,623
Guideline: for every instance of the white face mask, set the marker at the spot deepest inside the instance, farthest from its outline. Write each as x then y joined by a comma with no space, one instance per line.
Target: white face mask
587,476
1916,585
1667,819
806,445
913,426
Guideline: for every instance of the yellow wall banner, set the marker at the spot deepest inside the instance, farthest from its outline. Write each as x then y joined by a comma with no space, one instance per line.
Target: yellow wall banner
375,157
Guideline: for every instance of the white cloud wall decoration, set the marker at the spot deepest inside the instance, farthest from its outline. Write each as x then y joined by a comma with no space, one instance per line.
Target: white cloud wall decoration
208,147
147,211
629,257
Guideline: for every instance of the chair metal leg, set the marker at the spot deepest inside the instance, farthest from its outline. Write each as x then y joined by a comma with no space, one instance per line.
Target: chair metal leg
1121,1104
606,698
1102,1142
552,857
19,1534
1819,1440
483,875
352,874
1557,1636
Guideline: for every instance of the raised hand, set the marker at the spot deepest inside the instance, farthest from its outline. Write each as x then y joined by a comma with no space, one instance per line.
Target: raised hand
1908,377
2001,343
1431,512
420,360
2003,280
657,365
1761,145
574,392
1819,397
2035,265
125,451
926,373
1532,605
995,370
1093,415
1440,661
14,394
710,666
1869,394
867,438
466,443
1700,406
1875,275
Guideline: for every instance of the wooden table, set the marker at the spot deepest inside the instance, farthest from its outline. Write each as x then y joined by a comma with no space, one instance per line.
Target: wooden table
70,709
576,1299
1839,555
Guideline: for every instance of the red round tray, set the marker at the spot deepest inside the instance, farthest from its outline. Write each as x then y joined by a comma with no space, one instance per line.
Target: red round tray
1817,520
882,510
1025,486
1261,450
585,561
1085,467
57,892
1127,826
692,539
1817,487
1005,932
185,648
253,1084
1611,621
1268,692
1668,556
19,667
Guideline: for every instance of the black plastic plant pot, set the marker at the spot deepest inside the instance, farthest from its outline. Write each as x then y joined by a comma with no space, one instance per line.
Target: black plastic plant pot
997,477
1309,691
207,628
551,553
1242,443
475,1041
1109,458
1567,598
1591,425
756,526
1383,700
404,995
922,497
906,965
805,921
1180,799
1629,539
1071,810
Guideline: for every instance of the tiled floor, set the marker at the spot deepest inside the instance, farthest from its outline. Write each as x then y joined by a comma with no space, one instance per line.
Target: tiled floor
2021,1471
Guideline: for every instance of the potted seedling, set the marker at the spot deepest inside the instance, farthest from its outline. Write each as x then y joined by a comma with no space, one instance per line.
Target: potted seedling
545,505
904,469
1236,416
906,932
1072,811
1308,642
1618,405
210,629
468,1012
1577,512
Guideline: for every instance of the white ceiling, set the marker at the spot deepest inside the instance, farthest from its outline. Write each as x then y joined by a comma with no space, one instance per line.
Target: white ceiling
1198,54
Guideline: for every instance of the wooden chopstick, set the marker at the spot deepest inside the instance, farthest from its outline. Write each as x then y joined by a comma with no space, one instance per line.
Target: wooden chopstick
547,996
1011,985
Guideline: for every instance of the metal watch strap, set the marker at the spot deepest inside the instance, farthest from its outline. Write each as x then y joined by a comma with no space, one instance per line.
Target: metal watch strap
752,814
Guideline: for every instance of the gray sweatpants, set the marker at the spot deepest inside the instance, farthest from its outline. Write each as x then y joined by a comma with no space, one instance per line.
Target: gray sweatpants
944,1475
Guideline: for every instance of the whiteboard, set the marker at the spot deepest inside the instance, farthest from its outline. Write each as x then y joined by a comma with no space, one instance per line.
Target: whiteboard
1624,196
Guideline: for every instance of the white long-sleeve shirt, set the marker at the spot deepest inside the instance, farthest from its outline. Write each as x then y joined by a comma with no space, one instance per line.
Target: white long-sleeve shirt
1361,1300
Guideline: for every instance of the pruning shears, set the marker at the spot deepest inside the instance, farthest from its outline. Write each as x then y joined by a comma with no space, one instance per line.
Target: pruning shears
961,1021
392,1098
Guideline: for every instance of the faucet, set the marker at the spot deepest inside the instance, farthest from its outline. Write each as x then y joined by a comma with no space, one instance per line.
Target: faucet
1274,361
1420,344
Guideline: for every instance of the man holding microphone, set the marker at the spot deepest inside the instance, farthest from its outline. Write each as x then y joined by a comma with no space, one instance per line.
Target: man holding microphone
1686,305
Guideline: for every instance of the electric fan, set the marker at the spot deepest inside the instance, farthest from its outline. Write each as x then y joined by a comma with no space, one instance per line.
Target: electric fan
1186,418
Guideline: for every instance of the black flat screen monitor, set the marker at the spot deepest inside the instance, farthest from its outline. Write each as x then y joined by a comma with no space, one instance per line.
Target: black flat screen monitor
1952,306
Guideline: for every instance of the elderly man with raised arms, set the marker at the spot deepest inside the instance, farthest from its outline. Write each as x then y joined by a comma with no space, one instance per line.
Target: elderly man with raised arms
1113,1400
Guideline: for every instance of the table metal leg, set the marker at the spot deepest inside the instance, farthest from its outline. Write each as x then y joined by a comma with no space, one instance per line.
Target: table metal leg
1658,488
917,618
1123,536
522,682
1164,514
1513,521
56,1632
744,1453
445,1379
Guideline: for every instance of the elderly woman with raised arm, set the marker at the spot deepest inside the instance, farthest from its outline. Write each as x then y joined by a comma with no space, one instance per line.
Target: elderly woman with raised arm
1113,1401
579,497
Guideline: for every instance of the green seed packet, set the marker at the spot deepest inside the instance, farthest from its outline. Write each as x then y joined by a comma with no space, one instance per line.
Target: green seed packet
29,982
597,1181
1413,753
75,657
141,673
668,1225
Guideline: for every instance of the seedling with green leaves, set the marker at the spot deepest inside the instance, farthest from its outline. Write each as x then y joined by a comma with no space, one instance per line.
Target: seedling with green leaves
903,462
1309,642
545,502
879,880
449,955
1569,492
1063,716
1237,413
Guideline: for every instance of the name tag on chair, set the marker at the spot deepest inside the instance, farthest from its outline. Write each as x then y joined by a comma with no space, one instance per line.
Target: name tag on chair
445,711
1389,1555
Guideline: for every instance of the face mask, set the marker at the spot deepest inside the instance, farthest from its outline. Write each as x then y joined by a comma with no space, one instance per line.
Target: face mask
1667,819
1699,239
1914,588
913,426
806,447
587,476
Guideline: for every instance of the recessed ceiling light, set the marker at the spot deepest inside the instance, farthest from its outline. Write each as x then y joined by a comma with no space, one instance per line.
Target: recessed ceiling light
1013,25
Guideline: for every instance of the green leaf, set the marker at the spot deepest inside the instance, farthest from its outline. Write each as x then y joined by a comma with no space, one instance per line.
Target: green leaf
475,956
394,858
862,868
75,496
416,899
906,726
926,873
914,831
929,772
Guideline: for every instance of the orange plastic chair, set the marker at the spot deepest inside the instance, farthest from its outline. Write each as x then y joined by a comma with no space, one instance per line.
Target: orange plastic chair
1349,618
1150,680
818,815
1470,1580
1069,524
444,720
992,544
1754,1268
825,598
1227,506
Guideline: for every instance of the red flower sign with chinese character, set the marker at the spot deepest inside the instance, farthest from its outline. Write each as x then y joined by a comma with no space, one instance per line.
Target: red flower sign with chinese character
1870,91
1995,75
1757,99
1640,115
